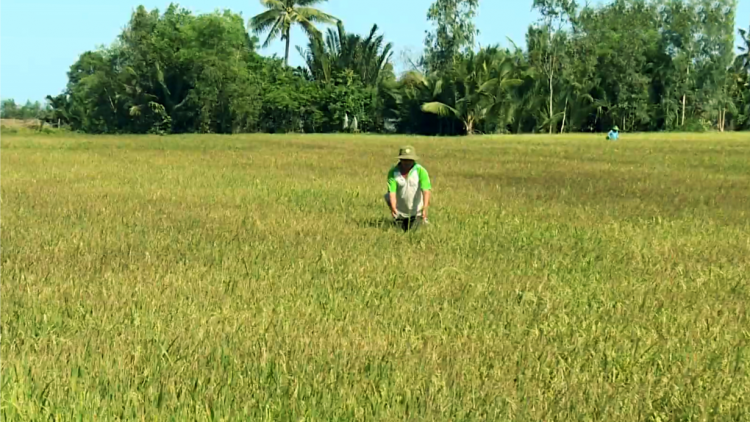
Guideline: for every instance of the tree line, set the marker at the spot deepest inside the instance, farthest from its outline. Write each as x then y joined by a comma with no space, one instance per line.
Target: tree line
10,110
643,65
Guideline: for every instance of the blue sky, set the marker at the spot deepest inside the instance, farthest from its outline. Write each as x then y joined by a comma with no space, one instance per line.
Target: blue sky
40,39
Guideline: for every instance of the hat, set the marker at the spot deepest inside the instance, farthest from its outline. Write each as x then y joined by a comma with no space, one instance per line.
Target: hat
407,153
616,129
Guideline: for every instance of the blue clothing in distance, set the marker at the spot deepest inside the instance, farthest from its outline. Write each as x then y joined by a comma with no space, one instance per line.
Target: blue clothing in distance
612,135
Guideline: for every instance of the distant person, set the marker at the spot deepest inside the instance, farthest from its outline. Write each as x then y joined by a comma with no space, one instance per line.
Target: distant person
409,190
613,134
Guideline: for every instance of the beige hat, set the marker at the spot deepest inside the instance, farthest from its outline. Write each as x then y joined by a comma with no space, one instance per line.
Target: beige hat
407,153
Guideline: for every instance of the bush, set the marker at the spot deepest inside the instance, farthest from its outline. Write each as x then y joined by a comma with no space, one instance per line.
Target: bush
695,125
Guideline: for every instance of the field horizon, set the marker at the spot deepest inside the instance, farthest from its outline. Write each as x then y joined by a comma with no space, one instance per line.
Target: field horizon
235,277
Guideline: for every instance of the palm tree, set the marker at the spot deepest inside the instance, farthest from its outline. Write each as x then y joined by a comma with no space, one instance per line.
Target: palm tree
743,59
367,57
282,14
481,86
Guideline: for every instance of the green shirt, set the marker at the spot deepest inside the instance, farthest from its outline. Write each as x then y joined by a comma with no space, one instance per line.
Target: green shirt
408,190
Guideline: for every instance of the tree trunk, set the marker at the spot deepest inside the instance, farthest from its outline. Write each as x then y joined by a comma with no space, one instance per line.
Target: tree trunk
518,126
550,104
565,114
684,97
286,54
683,110
551,61
469,127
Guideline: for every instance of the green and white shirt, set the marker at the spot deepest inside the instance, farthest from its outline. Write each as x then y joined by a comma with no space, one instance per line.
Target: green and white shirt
408,190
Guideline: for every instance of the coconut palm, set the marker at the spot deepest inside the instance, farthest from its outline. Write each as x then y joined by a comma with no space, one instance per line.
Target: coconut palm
481,85
282,14
368,57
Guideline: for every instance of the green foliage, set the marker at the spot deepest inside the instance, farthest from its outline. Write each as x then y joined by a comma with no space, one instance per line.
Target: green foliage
282,14
644,65
481,85
176,73
10,110
351,75
453,35
168,73
368,58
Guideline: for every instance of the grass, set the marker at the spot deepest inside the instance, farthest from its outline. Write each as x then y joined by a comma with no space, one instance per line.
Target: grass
19,123
255,278
30,127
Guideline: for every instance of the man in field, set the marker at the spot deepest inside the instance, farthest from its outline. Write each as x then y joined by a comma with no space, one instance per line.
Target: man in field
409,190
613,134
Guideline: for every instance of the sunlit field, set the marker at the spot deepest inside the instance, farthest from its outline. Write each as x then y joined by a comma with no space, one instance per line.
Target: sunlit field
257,278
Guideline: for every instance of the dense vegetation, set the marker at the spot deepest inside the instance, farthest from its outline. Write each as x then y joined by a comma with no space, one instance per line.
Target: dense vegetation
10,110
645,65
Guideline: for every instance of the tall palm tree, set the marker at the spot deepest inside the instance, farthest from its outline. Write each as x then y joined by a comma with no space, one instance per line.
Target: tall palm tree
282,14
367,57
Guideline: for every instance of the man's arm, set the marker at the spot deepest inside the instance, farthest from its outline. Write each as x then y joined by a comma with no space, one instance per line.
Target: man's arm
394,213
426,187
392,187
427,194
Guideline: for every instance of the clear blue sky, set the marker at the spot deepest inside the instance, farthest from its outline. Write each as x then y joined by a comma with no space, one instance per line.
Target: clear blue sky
40,39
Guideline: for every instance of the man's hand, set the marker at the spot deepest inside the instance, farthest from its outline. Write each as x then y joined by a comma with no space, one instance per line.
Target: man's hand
427,197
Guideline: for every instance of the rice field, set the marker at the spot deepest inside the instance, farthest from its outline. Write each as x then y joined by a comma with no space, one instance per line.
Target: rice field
257,278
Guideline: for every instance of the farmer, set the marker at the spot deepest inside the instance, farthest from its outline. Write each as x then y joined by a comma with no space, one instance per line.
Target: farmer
409,190
613,134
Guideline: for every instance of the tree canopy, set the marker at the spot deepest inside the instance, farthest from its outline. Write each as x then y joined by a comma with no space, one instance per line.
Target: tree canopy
282,14
10,110
644,65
